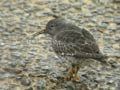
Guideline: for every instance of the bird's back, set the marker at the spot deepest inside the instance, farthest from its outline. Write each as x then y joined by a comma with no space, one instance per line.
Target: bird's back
76,44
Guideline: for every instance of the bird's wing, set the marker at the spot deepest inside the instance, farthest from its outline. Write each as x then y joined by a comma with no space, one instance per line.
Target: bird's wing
87,35
75,43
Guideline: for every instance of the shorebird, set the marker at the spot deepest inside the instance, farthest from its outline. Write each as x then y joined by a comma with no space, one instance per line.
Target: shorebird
72,43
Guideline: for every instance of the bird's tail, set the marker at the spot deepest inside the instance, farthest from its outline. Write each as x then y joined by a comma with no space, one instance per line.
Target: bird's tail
99,57
103,60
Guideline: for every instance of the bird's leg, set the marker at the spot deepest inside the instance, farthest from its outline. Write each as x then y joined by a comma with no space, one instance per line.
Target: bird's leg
75,76
69,75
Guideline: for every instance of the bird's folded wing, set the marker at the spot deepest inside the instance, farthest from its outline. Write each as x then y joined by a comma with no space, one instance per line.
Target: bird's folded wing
88,35
72,43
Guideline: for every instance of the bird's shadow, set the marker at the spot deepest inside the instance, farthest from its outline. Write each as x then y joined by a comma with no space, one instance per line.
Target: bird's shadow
71,85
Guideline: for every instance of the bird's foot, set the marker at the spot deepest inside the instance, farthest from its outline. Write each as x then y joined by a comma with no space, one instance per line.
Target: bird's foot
67,78
69,75
72,74
75,78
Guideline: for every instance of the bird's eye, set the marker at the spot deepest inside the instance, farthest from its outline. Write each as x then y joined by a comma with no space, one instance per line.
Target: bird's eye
51,25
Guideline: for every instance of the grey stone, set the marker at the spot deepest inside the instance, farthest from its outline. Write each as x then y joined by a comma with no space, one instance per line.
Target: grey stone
111,80
37,73
5,75
118,1
102,25
46,13
117,20
46,68
32,23
19,78
6,15
29,88
11,86
20,2
1,29
118,85
29,8
7,4
52,79
118,27
57,75
64,7
32,53
101,11
77,5
2,88
2,44
70,86
14,47
109,10
114,64
43,2
18,12
41,85
94,19
5,33
25,81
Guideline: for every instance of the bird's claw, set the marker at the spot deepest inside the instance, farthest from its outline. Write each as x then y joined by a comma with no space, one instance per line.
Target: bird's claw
72,78
75,78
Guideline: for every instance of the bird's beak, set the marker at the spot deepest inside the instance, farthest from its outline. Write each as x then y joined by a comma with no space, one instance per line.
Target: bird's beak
40,32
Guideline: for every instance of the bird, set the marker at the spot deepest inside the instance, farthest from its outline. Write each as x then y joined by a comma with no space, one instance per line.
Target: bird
73,44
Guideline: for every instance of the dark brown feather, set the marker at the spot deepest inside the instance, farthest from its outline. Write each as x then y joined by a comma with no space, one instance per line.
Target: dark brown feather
76,44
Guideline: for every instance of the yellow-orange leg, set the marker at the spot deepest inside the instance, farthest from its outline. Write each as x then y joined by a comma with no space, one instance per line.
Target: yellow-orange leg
75,76
72,74
69,75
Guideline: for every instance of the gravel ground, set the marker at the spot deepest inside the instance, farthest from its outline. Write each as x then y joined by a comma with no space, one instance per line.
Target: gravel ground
30,64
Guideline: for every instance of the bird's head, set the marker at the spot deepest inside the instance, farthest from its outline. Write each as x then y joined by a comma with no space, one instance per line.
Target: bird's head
53,26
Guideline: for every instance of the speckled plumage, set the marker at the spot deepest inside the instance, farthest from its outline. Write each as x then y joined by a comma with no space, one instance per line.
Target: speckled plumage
73,44
71,41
